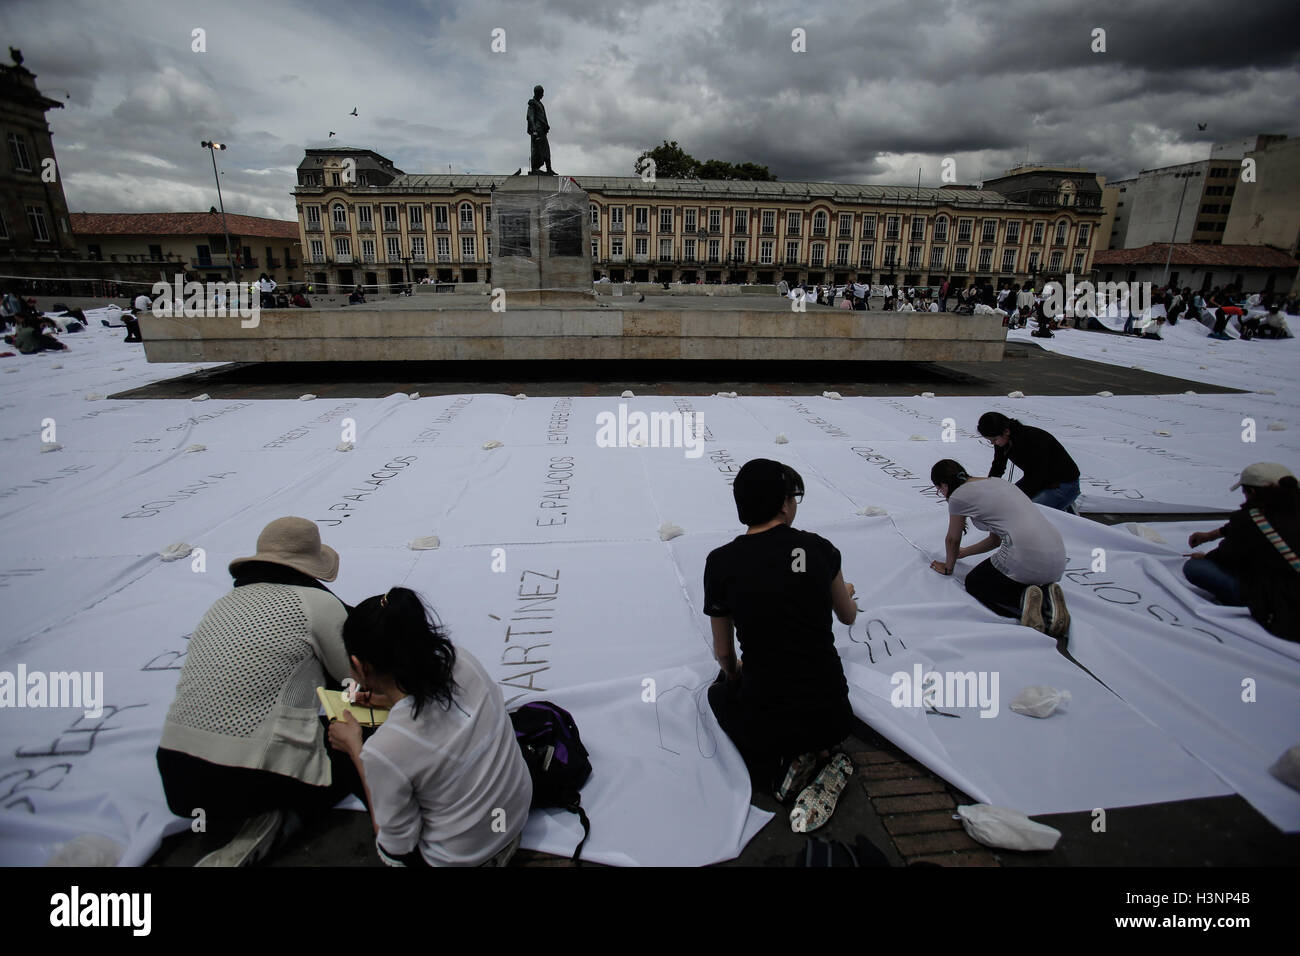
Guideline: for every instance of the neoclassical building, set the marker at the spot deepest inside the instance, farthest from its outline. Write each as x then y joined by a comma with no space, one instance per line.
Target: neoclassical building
365,222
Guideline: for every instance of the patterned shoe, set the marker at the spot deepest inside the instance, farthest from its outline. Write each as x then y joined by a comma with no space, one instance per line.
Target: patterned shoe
251,844
1058,615
796,777
815,806
1031,608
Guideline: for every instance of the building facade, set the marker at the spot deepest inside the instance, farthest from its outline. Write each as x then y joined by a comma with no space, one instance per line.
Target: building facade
410,226
167,243
1201,267
1267,211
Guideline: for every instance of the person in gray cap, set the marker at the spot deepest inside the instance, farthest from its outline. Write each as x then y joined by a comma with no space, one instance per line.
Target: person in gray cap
242,740
1255,564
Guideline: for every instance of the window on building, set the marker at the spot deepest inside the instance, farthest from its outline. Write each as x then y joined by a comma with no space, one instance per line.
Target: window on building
334,179
595,249
367,250
641,218
866,255
989,231
819,223
665,248
313,216
792,252
739,250
616,218
715,249
1085,233
1032,265
689,219
1008,260
18,150
1061,228
92,251
415,218
317,250
765,252
715,220
918,229
985,260
1214,190
665,218
390,217
1078,263
393,246
842,254
868,225
846,224
440,219
155,253
891,227
688,250
964,229
595,216
913,257
466,218
1038,233
442,245
418,252
641,245
740,220
1013,232
793,222
339,217
365,218
36,220
768,222
467,248
959,260
936,256
891,257
616,248
941,229
1054,264
818,253
342,248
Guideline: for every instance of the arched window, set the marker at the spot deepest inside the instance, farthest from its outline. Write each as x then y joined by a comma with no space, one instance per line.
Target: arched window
466,215
339,216
1062,228
941,229
819,223
595,216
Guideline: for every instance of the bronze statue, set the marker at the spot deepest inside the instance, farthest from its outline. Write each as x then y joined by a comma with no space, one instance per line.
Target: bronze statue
537,130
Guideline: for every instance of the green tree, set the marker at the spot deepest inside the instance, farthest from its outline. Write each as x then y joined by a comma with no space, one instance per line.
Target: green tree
670,162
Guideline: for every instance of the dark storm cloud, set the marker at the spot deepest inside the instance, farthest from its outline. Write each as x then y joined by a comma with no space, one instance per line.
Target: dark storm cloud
883,89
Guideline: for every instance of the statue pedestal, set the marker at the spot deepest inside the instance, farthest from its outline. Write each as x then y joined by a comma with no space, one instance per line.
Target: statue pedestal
541,241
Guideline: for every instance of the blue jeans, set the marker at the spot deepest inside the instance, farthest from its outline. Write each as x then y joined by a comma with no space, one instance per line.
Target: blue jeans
1061,497
1220,582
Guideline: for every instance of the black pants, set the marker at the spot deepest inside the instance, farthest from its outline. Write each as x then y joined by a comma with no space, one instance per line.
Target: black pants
1220,322
232,794
132,329
995,590
764,757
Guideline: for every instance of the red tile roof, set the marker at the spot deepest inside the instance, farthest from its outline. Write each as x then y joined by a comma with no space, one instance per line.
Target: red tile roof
179,224
1186,254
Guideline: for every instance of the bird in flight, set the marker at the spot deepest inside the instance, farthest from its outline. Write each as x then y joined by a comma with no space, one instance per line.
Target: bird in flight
331,134
1200,126
354,111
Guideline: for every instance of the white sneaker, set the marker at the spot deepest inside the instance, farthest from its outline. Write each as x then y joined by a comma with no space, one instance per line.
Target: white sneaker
251,844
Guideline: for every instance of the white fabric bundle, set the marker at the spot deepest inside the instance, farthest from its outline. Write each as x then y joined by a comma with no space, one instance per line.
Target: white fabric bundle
1006,829
1040,701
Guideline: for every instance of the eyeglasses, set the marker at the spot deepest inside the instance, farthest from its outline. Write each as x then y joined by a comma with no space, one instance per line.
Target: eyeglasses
797,496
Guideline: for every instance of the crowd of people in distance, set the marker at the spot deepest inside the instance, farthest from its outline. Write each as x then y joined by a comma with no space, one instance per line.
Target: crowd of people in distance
1255,315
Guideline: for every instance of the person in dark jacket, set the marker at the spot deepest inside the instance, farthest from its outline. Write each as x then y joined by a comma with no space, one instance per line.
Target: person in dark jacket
1050,476
1256,566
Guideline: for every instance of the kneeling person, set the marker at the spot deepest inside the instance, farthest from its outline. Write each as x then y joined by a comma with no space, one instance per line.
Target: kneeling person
1025,572
777,587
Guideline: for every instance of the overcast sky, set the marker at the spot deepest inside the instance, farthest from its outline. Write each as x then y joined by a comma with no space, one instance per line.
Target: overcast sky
883,89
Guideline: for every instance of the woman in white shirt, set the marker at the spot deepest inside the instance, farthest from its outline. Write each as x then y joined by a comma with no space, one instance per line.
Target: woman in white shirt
1022,578
446,779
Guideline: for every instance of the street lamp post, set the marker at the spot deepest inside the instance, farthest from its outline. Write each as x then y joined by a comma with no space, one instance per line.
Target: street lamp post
212,148
1186,177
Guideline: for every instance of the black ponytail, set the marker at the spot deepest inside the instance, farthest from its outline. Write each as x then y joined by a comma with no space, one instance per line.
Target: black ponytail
950,473
398,637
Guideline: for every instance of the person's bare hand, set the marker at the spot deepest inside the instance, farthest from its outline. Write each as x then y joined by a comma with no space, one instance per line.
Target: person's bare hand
1198,538
1196,554
345,734
940,566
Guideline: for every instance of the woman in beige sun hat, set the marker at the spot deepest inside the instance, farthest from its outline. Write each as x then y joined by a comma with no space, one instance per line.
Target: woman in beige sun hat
242,738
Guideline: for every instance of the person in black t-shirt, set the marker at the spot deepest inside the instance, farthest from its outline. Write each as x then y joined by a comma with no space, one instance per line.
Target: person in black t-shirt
777,587
1050,477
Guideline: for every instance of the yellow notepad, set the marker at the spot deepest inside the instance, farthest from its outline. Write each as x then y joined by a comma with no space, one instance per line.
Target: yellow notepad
336,706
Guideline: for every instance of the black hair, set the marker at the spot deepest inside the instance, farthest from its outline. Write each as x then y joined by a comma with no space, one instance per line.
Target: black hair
761,488
948,472
397,636
1284,495
993,424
